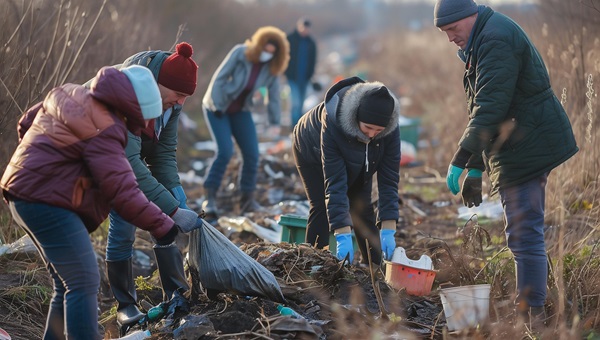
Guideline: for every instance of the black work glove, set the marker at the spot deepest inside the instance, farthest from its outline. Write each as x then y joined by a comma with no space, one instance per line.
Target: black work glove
169,237
218,113
471,190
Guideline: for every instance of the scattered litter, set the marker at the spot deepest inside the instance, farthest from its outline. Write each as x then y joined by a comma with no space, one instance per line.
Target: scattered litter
273,174
22,245
489,209
242,223
275,195
137,335
296,207
287,311
141,259
408,153
191,177
441,204
207,145
411,204
193,327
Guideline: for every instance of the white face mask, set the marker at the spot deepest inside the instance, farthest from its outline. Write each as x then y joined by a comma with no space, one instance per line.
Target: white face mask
265,56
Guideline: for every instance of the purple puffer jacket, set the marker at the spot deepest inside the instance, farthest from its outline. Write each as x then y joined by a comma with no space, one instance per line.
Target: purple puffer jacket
71,154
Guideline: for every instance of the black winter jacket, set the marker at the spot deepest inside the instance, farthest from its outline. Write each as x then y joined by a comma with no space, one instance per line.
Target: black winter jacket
329,136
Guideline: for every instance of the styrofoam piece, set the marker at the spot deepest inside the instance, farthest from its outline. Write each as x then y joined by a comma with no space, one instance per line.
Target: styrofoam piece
400,257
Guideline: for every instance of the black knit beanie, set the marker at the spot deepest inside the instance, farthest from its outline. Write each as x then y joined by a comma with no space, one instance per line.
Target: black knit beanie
448,11
376,107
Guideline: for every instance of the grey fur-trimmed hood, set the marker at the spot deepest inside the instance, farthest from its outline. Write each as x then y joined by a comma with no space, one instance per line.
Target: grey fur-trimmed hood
342,103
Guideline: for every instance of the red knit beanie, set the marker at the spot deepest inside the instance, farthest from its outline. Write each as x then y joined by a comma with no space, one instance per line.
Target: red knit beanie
179,72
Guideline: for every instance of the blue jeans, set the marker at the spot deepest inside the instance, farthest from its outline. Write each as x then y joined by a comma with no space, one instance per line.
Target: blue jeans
524,212
64,243
240,126
120,239
297,96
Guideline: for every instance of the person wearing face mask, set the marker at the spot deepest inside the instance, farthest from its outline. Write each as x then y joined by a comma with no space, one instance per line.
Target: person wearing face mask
227,104
338,146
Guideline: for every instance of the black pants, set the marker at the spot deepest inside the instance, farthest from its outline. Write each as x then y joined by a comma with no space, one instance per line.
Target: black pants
361,210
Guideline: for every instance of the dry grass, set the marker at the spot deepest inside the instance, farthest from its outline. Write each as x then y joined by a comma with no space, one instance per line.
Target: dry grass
48,43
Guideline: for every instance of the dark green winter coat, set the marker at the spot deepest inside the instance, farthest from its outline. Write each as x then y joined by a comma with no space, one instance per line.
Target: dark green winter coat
154,158
516,121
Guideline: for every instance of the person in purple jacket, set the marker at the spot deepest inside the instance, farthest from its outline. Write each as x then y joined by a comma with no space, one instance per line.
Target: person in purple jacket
68,171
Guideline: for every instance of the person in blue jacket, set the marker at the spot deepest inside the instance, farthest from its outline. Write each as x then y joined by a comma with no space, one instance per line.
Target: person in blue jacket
338,146
518,131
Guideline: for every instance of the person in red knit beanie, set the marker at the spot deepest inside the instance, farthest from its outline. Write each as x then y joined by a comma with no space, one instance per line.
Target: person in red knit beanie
176,74
179,72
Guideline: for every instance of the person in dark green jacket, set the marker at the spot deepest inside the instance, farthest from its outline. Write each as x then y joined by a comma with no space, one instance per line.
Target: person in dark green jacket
518,131
152,156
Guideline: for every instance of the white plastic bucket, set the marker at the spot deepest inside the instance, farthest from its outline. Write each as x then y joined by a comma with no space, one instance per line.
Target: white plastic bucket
465,306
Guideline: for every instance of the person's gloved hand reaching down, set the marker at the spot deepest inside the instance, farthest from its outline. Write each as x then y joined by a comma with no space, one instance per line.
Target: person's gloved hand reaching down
343,237
186,219
388,241
471,191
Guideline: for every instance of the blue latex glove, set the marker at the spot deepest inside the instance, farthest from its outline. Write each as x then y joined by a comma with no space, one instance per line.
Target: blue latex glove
344,246
388,243
179,195
452,177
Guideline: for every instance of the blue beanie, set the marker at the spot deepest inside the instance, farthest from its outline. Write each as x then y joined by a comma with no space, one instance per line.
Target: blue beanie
449,11
146,90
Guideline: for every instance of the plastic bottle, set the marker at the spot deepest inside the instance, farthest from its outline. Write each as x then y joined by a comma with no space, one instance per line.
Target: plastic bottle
137,335
289,312
156,312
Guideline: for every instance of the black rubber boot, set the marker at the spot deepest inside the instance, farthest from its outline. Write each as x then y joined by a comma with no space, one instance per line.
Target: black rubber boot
249,204
120,276
537,318
210,204
170,268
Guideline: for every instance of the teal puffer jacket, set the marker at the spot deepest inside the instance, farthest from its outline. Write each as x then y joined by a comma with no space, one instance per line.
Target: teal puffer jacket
516,122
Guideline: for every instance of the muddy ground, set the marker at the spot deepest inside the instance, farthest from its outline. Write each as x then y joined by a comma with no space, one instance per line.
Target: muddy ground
335,301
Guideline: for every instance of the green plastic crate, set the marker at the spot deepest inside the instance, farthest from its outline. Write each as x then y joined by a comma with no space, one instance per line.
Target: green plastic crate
293,230
410,132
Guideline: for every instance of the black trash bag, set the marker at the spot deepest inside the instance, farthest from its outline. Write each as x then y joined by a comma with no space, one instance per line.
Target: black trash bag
222,266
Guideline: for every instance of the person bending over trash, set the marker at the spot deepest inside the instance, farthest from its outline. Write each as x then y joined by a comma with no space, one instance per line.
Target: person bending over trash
338,146
152,156
67,171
